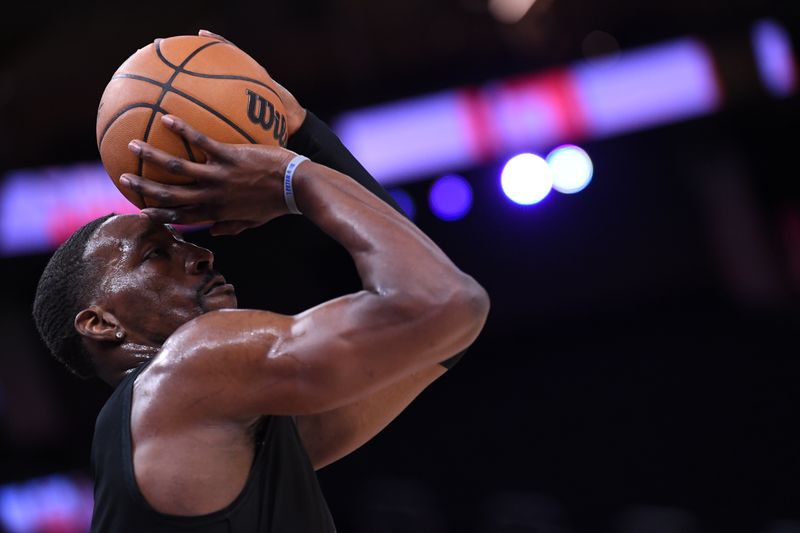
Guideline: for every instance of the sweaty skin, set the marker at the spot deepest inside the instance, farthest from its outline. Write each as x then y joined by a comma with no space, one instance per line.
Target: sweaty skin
343,369
217,370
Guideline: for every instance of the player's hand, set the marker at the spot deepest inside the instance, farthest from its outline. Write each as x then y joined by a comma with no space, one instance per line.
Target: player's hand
295,113
238,187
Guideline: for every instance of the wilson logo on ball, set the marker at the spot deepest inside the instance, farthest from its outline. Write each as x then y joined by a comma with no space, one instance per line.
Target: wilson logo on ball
261,111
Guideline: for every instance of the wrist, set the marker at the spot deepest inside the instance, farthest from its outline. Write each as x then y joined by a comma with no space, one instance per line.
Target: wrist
288,183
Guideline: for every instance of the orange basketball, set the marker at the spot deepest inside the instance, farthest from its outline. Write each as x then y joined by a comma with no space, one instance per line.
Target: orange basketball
213,85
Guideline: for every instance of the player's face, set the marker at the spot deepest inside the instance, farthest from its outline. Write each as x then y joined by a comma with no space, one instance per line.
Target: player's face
154,281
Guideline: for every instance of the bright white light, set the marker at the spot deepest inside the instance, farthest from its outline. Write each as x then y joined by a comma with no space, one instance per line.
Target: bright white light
572,168
526,179
510,11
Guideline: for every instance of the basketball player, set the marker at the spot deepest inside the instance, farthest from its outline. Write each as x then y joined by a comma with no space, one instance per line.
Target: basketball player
219,416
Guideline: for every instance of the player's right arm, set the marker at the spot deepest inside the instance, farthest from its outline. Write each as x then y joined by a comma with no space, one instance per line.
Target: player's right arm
415,310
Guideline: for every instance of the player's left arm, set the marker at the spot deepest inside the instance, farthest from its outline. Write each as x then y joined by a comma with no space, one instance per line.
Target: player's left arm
331,435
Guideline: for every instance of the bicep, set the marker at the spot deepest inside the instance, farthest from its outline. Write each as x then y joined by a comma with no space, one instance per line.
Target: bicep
243,363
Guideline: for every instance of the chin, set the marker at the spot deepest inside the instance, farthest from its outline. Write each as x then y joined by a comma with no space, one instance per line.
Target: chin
222,299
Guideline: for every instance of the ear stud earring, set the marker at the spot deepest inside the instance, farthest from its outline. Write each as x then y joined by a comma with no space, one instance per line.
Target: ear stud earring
120,334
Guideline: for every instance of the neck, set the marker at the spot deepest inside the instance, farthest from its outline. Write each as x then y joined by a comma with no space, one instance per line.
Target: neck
122,360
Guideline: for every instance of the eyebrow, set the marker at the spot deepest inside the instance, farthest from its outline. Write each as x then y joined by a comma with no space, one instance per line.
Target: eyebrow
148,232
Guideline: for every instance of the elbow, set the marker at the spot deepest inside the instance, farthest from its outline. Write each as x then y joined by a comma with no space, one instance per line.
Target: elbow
450,314
462,308
459,296
474,304
482,303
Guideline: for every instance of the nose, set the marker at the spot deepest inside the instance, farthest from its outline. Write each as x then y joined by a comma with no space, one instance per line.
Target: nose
198,260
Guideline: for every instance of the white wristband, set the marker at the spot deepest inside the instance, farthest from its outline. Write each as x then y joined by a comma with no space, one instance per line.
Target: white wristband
288,192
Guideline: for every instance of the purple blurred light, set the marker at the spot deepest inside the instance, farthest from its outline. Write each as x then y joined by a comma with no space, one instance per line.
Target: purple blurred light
408,138
659,84
647,87
57,502
773,50
405,201
450,197
40,208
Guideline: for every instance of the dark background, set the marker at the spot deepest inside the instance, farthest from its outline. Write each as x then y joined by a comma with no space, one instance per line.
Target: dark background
639,369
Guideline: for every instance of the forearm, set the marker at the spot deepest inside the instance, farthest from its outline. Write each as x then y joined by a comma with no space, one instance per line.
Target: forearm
315,139
385,246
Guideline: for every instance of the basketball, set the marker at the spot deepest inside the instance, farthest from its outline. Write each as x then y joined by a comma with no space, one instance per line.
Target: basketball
211,84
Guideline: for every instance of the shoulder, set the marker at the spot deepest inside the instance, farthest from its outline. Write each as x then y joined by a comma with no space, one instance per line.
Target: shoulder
206,362
228,332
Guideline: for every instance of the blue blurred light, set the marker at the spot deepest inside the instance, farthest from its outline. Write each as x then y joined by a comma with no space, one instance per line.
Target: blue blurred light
56,502
572,168
526,179
772,46
450,197
406,202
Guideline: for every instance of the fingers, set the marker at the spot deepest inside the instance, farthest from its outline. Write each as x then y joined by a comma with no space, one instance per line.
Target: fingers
173,164
162,193
206,33
196,138
186,214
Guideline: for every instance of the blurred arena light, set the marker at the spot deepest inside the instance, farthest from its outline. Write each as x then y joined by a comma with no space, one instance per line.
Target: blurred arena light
40,208
606,95
510,11
776,64
450,197
638,91
410,139
526,179
405,201
572,168
58,503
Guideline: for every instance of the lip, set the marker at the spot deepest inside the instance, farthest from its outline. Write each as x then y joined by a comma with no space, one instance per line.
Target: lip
220,289
216,281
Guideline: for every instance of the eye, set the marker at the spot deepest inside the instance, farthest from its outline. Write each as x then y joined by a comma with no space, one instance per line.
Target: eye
155,253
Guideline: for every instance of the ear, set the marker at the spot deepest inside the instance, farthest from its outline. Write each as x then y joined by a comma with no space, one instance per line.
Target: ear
97,324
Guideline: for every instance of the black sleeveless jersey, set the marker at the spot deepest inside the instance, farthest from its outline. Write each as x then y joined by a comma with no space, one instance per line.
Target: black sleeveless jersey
281,494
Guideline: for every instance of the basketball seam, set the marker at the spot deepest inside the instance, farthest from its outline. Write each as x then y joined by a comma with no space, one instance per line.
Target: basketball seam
232,77
189,150
217,114
166,88
195,101
137,105
122,112
211,76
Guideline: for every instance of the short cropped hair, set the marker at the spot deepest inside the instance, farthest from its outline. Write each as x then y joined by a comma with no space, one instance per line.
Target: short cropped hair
63,291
